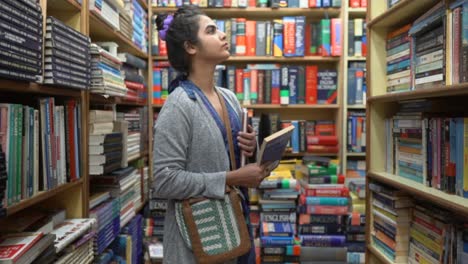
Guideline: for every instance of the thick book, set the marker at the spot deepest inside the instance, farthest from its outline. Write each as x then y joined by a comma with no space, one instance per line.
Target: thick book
273,147
13,246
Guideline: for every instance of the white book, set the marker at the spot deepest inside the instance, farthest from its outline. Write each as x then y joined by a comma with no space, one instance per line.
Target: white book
71,229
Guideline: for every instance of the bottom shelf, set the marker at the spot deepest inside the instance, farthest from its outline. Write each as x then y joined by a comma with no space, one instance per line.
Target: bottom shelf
41,196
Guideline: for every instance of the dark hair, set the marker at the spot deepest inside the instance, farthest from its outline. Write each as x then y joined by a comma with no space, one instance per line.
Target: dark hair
184,28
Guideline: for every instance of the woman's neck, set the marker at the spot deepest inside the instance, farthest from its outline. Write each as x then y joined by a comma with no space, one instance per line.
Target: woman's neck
203,77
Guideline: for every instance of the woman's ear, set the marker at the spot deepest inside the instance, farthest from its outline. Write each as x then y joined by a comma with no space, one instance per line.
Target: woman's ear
190,48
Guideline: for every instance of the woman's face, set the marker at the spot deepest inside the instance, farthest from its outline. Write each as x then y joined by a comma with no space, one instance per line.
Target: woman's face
212,46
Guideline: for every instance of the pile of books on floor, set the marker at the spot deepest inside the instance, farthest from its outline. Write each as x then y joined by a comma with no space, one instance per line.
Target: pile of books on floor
134,69
21,40
323,209
67,56
105,146
106,76
43,236
278,195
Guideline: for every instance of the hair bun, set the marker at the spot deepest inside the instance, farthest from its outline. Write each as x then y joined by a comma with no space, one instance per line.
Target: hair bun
160,21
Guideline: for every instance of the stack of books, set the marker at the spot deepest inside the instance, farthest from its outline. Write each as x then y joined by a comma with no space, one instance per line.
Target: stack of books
399,60
21,41
107,10
107,215
140,24
155,215
278,195
134,69
134,229
134,132
67,56
126,27
105,146
428,45
323,207
356,238
391,218
106,76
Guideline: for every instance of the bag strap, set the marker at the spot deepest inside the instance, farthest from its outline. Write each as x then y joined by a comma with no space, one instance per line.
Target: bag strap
227,125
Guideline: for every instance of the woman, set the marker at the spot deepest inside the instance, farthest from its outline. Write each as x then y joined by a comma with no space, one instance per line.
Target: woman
191,156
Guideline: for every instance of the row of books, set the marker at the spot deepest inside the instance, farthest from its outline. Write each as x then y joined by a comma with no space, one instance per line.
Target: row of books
406,230
288,37
21,41
416,53
356,141
264,83
133,69
248,3
140,24
41,146
357,87
357,38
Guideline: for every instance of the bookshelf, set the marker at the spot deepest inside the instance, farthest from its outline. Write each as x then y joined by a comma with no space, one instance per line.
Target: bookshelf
73,196
382,105
350,14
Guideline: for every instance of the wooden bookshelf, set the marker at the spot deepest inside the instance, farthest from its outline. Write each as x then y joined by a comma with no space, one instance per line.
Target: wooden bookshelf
100,99
102,31
41,196
355,154
251,59
9,86
441,91
403,12
357,12
261,12
64,5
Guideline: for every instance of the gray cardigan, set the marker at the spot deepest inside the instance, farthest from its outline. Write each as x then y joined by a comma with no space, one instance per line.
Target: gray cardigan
190,160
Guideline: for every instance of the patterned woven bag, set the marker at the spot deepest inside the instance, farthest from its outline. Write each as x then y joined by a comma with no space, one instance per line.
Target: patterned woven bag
215,229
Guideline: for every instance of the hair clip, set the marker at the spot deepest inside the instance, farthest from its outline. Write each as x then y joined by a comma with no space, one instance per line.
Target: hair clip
167,22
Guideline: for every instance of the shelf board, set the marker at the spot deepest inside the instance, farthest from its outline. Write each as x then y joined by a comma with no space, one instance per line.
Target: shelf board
158,105
289,155
403,12
250,59
441,91
352,58
101,31
297,106
449,201
41,196
257,12
356,107
379,254
100,99
64,5
356,154
35,88
357,12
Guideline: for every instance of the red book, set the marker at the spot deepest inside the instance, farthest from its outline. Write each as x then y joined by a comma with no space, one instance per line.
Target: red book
324,209
240,36
250,37
253,86
289,36
13,246
308,39
135,86
162,48
312,3
311,84
327,192
261,86
363,3
322,149
354,3
322,140
240,84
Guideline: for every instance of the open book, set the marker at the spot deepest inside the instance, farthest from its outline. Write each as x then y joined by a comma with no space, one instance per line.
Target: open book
273,147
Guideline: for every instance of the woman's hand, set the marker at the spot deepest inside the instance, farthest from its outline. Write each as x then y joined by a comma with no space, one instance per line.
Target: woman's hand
247,142
250,175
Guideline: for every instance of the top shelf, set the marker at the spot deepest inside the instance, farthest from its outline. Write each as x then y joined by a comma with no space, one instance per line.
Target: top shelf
402,13
357,12
101,31
261,12
63,5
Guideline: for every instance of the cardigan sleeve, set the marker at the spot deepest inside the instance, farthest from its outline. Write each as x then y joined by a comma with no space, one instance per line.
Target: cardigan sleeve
172,138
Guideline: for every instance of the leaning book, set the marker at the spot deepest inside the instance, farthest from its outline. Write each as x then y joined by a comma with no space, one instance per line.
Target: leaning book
13,246
273,147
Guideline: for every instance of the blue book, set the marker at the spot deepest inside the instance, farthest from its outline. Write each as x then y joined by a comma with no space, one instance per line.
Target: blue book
295,137
351,86
300,33
293,82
